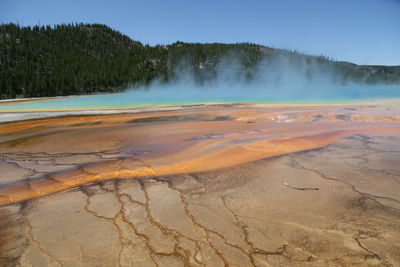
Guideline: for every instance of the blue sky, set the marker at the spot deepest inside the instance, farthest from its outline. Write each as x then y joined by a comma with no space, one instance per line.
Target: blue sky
360,31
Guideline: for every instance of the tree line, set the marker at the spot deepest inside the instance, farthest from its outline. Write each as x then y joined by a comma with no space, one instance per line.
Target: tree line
70,59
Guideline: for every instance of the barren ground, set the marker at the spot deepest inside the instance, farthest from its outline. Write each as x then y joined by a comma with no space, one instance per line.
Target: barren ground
210,186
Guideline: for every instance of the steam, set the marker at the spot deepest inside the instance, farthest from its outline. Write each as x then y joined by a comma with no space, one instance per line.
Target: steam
275,79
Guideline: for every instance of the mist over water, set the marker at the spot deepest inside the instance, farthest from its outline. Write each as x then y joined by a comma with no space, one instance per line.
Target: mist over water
277,80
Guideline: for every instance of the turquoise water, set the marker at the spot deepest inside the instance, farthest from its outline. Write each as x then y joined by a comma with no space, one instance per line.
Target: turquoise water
182,95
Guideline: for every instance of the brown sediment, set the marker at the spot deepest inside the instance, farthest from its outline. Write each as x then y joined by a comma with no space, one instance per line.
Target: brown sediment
75,120
164,143
17,101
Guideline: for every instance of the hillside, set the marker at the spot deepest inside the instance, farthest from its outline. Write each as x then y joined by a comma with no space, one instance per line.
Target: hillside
88,58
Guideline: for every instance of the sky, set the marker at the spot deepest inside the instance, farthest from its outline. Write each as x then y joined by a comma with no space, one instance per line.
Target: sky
359,31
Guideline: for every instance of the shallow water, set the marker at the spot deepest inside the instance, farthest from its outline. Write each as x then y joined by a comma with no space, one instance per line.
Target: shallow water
194,95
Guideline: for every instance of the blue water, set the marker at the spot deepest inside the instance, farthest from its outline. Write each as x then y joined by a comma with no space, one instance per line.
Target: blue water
189,95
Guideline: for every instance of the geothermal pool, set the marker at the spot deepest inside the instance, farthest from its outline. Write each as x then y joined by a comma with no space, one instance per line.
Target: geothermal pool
179,95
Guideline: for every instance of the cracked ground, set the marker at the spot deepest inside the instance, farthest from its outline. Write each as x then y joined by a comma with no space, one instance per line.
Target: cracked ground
204,187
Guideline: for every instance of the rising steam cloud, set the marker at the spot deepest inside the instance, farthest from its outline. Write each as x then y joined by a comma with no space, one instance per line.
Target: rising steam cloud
276,79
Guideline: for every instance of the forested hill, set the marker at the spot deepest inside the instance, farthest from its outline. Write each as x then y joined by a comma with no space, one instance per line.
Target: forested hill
87,58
